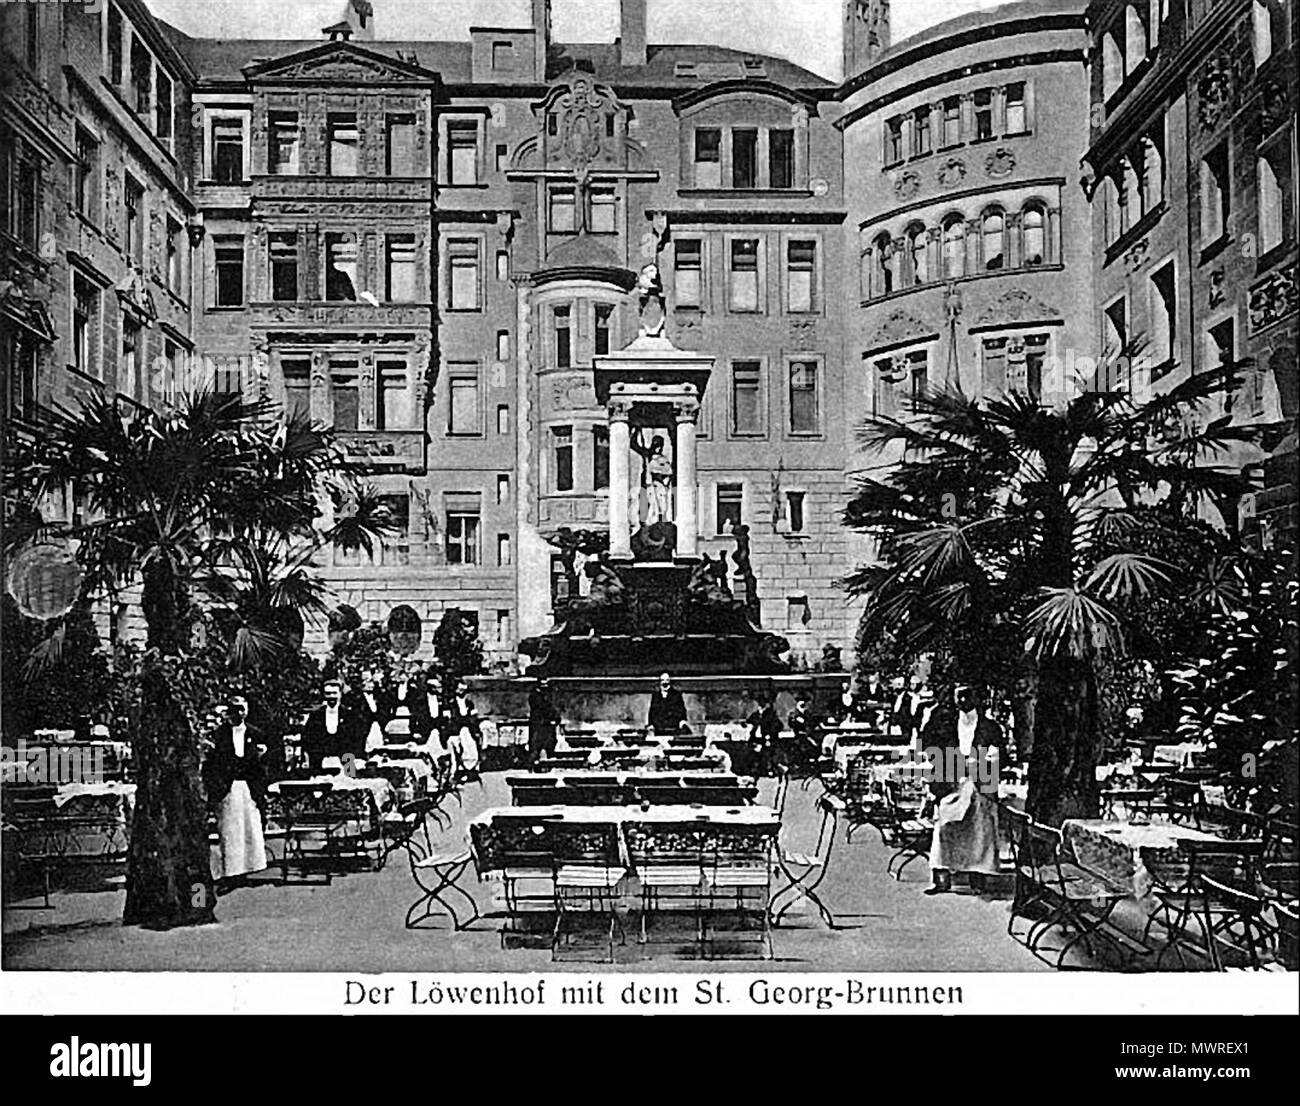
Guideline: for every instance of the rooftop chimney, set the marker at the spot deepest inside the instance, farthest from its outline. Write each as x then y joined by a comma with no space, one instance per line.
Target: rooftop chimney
542,35
632,39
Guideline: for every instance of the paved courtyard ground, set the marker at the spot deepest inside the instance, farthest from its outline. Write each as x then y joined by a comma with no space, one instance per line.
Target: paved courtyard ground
356,924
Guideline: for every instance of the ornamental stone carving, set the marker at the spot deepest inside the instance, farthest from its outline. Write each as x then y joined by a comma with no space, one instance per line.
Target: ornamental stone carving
1273,299
907,185
901,326
1000,163
952,172
1016,306
1215,92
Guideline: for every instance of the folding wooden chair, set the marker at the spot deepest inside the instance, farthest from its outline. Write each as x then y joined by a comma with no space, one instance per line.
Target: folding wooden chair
668,859
738,880
588,868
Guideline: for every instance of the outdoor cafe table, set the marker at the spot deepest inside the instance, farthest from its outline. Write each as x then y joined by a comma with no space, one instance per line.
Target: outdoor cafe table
714,776
891,754
382,794
103,812
1183,754
1114,849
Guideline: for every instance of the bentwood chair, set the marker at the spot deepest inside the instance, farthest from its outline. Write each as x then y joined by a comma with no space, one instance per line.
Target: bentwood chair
1031,886
588,869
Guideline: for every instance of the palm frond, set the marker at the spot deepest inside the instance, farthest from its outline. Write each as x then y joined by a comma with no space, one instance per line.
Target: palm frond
1068,623
1129,576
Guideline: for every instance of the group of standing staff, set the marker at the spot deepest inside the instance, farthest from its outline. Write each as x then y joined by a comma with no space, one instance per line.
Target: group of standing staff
411,709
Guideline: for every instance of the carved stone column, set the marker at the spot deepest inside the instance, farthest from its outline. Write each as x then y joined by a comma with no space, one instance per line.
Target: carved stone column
688,531
620,446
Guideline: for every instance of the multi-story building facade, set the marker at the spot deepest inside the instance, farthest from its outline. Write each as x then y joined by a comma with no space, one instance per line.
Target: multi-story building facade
972,247
1192,176
425,244
96,219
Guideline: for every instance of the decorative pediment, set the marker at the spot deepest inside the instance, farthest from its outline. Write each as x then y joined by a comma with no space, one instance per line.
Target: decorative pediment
899,329
746,88
338,62
582,126
1016,306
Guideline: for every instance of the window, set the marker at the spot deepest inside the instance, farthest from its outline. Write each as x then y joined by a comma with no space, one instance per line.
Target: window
1016,120
882,271
918,378
688,272
345,384
1275,195
952,121
401,146
463,409
744,274
1033,231
746,398
730,507
921,132
918,253
397,545
1014,365
794,511
175,247
283,247
227,150
505,554
562,458
503,489
1135,39
983,114
603,206
1214,195
994,238
780,158
798,615
229,255
562,317
141,77
1115,349
954,247
163,113
801,275
134,243
463,262
85,180
282,153
114,45
503,419
341,267
708,158
85,326
503,55
604,321
20,197
393,411
462,152
399,266
462,538
1162,313
894,141
129,381
563,211
895,374
505,628
296,373
1267,19
744,158
1112,65
344,144
600,458
994,368
503,345
1035,352
805,415
20,402
502,157
1220,349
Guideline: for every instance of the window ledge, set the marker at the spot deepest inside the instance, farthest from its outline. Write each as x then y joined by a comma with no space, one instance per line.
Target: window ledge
226,309
799,537
1134,233
1055,267
481,186
1272,257
746,193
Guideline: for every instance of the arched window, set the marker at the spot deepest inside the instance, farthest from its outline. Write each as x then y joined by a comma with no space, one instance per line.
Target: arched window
883,271
1153,171
1135,38
993,231
954,247
918,245
1112,65
1033,226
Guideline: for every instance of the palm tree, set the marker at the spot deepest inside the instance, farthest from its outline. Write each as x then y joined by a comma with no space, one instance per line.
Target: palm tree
189,500
1004,519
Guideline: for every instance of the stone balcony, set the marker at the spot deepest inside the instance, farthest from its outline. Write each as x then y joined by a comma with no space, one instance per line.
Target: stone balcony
399,451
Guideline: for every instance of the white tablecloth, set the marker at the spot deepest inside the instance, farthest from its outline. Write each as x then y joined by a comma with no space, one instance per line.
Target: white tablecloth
621,815
1183,754
70,791
1114,849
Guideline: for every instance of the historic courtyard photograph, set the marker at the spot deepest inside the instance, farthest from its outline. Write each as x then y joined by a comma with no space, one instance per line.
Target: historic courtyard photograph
641,485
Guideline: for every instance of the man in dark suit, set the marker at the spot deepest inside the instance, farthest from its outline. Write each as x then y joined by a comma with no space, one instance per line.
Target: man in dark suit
667,708
462,730
543,722
964,745
368,712
331,730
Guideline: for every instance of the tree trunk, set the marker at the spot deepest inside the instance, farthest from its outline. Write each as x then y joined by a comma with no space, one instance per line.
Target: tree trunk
168,878
1067,743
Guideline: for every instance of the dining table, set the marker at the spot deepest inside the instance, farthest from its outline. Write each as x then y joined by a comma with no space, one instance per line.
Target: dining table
1118,850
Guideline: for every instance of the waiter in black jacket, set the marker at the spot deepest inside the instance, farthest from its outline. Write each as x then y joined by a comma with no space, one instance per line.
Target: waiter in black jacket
667,708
